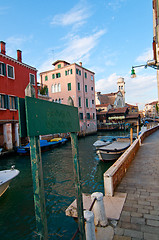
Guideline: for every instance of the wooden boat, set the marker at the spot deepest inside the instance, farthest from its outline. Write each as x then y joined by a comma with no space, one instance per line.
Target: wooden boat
112,151
44,144
5,178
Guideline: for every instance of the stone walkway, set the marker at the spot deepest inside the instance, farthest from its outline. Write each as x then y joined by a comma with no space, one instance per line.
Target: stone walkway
140,215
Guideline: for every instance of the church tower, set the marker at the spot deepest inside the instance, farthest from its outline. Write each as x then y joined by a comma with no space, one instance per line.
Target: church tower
121,86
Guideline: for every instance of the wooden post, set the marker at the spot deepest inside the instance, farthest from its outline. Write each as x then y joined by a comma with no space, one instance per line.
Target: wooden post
38,183
131,135
76,167
137,129
78,186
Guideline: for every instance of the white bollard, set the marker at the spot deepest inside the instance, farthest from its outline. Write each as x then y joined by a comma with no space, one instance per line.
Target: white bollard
100,218
89,225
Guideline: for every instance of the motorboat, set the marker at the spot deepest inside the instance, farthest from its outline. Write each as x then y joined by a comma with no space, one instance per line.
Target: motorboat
44,144
112,151
103,142
6,177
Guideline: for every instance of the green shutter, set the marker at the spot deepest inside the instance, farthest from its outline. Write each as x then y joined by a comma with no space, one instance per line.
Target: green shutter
80,72
4,69
16,103
85,88
53,76
65,73
85,75
46,78
59,66
79,101
69,86
76,71
71,71
78,86
87,102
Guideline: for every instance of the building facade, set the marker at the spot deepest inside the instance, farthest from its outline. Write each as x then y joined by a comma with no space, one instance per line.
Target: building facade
151,109
14,77
73,81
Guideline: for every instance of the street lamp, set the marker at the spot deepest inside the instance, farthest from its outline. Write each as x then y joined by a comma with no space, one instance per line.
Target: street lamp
150,63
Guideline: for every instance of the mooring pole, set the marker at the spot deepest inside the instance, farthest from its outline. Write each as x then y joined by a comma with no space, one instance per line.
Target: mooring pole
38,183
78,186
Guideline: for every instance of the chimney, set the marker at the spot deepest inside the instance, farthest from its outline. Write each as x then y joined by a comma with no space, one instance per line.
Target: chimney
19,55
80,63
3,47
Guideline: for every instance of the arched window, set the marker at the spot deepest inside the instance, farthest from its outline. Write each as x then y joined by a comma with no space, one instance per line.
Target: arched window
55,88
52,88
59,87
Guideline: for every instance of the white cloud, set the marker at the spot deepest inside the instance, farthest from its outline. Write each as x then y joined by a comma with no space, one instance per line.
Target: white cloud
77,15
107,85
76,49
145,56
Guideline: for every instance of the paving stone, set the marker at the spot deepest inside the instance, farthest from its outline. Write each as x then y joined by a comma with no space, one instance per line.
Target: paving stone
116,237
152,217
133,233
119,231
149,229
153,223
150,236
132,226
138,220
136,214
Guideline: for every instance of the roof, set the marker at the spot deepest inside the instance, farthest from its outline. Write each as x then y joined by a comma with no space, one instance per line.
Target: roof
16,61
132,116
152,103
107,98
117,110
103,105
57,61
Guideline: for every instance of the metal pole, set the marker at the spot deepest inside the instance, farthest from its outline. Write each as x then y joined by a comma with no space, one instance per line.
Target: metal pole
38,183
78,186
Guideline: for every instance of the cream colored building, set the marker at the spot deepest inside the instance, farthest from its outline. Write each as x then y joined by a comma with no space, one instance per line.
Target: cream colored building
73,80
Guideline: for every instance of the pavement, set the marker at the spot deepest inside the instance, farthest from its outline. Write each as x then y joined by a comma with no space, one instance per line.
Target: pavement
139,218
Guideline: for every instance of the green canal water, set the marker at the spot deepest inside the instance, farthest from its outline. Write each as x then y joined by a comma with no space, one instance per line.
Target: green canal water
17,220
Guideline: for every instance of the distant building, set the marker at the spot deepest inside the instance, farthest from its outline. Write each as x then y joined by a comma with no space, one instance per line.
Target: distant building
150,110
73,80
14,77
111,108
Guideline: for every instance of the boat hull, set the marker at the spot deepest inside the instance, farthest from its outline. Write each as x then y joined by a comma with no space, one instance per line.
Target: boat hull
6,177
111,156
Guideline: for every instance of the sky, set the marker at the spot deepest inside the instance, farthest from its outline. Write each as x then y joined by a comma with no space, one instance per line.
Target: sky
107,36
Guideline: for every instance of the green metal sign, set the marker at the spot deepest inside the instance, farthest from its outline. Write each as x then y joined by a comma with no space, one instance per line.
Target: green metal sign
43,117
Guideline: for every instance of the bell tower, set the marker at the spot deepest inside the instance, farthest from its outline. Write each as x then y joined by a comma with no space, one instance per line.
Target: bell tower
121,86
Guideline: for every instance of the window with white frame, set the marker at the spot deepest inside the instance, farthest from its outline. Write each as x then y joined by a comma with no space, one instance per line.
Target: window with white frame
2,101
32,78
12,102
59,87
2,69
52,88
10,71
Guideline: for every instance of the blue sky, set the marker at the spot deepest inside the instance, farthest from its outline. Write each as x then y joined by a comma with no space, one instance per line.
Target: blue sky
108,36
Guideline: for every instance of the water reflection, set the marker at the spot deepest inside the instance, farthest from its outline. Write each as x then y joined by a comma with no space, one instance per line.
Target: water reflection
17,220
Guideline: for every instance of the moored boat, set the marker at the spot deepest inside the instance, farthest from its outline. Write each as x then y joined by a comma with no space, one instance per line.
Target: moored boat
44,145
112,151
5,178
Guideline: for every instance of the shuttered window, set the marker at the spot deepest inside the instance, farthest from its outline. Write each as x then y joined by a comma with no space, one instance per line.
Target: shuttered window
2,69
69,86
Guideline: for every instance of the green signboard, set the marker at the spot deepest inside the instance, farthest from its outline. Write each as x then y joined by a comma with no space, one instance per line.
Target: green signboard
44,117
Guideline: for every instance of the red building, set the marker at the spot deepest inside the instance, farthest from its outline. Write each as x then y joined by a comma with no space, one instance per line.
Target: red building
14,77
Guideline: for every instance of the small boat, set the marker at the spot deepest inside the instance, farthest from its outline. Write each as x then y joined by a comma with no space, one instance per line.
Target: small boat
44,144
112,151
5,178
103,142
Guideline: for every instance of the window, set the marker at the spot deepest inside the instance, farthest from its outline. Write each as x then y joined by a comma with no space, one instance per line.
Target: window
79,86
92,101
93,115
85,74
59,100
46,78
12,102
52,88
88,115
65,73
87,102
69,86
80,72
68,72
121,87
32,78
85,88
91,88
59,87
55,88
10,71
58,75
59,66
79,101
92,77
53,76
77,70
81,116
3,101
2,69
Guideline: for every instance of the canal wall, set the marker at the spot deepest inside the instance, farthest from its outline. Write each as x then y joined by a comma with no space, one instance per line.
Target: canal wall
114,175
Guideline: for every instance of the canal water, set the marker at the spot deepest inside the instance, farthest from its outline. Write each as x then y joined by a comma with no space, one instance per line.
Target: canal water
17,220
